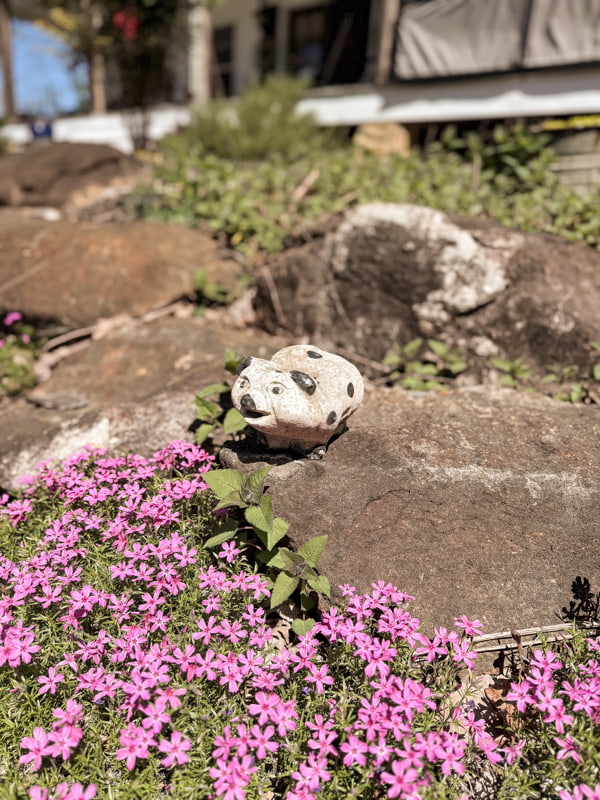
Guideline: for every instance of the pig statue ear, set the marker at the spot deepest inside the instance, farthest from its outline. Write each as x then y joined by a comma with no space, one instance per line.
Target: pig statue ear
245,362
304,381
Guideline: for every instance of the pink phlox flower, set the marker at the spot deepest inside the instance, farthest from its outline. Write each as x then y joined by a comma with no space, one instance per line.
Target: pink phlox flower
262,740
37,744
266,707
38,793
462,653
581,792
559,717
50,682
569,748
401,781
521,695
545,661
71,715
512,753
231,777
432,648
355,750
155,716
488,746
135,740
347,590
231,630
12,317
223,745
285,716
171,695
75,791
229,551
312,772
471,627
253,616
320,677
176,749
63,739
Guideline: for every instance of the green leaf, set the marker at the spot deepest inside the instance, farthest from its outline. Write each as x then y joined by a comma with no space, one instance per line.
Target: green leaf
577,393
226,532
213,388
280,528
302,626
203,432
457,366
232,360
285,585
596,372
261,516
502,364
412,348
439,348
233,421
422,368
320,584
206,410
507,380
255,482
313,549
550,378
223,481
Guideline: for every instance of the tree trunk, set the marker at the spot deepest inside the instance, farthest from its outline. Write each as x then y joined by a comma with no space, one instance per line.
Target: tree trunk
6,53
200,56
97,81
96,64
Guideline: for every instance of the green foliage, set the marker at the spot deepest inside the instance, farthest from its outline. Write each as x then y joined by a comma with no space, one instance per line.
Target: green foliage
214,416
423,367
262,124
212,293
18,351
266,204
289,571
512,371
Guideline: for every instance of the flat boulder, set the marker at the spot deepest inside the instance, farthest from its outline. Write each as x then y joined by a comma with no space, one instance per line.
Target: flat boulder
72,274
384,273
482,502
54,174
132,390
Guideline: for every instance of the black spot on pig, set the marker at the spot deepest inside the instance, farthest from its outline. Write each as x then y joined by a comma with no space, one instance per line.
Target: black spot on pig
331,418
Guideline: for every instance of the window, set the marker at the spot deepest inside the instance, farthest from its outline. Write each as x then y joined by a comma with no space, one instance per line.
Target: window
307,41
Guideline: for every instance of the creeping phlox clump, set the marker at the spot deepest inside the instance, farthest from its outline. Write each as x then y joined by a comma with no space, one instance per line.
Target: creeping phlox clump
136,664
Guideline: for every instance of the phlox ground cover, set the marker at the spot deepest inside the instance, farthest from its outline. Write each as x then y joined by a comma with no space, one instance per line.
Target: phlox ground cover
137,662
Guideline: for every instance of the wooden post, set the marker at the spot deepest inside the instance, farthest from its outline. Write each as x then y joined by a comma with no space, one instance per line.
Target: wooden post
6,55
389,19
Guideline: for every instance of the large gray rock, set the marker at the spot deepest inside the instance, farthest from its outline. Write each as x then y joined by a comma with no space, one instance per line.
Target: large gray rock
74,273
385,273
480,502
132,390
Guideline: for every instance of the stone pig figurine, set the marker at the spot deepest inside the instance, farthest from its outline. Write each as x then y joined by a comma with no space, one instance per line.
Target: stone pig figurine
299,399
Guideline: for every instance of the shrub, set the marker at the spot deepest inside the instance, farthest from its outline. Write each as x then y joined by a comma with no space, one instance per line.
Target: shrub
207,176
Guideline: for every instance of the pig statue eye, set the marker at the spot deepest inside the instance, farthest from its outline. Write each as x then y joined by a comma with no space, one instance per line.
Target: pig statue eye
242,383
276,388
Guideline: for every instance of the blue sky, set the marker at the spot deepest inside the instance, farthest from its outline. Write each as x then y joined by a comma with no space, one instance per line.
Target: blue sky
43,82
